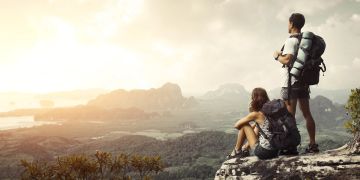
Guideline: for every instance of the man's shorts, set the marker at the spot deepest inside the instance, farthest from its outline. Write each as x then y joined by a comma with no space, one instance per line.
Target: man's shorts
298,91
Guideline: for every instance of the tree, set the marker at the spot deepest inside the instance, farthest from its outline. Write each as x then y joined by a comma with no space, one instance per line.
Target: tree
353,124
102,166
146,165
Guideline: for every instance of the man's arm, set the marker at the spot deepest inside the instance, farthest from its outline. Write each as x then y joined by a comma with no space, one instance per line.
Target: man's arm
283,59
288,51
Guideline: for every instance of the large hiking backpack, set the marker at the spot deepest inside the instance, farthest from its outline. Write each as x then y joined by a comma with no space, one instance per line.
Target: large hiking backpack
282,125
307,65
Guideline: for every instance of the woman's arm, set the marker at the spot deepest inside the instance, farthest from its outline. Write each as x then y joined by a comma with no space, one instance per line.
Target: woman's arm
250,117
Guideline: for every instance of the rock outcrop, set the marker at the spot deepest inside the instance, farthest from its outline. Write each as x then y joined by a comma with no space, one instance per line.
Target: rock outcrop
337,164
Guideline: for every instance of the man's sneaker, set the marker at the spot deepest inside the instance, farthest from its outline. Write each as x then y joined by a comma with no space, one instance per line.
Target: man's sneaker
312,148
289,152
238,154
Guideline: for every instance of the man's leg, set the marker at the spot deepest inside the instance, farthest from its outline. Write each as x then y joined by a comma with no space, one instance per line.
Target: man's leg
310,123
291,106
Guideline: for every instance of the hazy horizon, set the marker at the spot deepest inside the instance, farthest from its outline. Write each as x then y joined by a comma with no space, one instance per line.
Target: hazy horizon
185,92
55,46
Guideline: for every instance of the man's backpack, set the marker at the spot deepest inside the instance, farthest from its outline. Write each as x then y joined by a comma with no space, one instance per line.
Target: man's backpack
307,65
282,125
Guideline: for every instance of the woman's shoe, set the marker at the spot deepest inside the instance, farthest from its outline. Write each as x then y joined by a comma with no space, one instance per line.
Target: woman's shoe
238,154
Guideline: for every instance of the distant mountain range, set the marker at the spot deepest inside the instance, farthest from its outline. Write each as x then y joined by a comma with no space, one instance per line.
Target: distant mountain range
167,97
339,96
236,93
327,112
227,92
327,115
228,97
230,93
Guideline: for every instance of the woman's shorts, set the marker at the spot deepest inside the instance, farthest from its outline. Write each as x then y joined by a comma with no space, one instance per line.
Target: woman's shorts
263,153
298,91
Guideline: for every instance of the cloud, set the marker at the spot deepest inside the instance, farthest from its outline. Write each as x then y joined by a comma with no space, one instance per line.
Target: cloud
341,34
355,17
307,7
198,44
356,62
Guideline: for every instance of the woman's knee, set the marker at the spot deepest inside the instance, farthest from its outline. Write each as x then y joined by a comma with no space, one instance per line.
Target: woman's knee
247,125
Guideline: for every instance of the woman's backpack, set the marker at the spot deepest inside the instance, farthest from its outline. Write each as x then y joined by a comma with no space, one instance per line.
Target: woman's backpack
282,125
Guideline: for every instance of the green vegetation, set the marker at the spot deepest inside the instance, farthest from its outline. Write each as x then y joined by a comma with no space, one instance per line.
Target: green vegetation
189,173
191,156
353,108
102,166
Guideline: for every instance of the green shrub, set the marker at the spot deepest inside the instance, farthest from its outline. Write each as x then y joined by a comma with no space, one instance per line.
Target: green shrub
102,166
353,110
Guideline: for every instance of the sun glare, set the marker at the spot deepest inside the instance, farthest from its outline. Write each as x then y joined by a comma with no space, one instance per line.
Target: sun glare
59,60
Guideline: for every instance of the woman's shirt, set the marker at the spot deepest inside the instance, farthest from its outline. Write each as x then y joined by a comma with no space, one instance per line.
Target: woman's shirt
265,143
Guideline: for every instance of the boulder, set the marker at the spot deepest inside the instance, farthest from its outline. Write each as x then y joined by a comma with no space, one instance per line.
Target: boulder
333,164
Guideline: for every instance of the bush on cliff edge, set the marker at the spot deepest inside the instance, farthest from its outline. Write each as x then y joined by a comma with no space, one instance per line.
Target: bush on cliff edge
353,124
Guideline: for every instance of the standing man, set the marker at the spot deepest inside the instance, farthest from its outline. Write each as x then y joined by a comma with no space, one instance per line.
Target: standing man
299,92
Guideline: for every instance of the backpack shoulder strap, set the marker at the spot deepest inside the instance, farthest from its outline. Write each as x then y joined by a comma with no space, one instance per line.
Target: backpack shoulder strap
298,36
323,69
261,131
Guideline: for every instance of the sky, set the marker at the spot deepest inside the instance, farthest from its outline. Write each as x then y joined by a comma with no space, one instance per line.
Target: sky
59,45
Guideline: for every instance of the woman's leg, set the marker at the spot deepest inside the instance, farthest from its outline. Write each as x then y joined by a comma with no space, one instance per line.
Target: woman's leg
256,130
248,133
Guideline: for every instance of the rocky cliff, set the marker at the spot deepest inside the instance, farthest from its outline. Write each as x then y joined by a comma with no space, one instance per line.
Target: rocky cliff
335,164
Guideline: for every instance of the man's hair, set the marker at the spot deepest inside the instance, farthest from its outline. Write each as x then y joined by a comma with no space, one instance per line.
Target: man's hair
298,20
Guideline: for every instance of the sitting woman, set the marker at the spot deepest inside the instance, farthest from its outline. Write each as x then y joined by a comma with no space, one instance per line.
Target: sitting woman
262,147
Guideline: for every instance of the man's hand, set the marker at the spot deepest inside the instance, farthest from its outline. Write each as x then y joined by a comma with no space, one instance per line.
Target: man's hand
277,54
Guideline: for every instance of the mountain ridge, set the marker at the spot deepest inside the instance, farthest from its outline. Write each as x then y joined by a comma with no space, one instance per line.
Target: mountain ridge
167,97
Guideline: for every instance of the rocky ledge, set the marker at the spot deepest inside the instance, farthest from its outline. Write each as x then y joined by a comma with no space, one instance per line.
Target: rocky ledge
335,164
